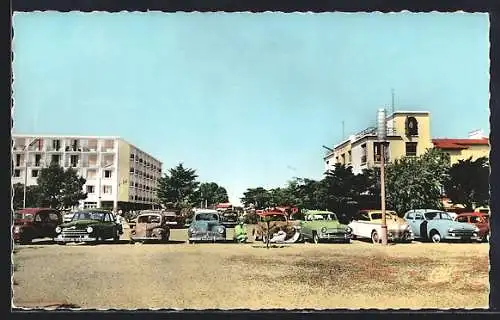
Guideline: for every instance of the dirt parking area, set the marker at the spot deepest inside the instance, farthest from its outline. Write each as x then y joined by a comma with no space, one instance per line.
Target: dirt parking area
228,276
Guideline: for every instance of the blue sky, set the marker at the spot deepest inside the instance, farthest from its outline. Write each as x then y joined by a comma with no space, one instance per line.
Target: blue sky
246,99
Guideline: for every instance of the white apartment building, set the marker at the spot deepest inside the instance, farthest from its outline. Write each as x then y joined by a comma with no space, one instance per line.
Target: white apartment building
118,174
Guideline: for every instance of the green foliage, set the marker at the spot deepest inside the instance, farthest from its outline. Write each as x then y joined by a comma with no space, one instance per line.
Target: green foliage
211,192
59,188
415,182
259,197
32,196
468,184
177,187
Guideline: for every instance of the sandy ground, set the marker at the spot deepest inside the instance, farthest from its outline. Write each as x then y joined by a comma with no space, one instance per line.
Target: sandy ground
228,276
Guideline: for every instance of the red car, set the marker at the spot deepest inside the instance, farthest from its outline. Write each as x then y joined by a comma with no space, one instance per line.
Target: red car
35,223
480,220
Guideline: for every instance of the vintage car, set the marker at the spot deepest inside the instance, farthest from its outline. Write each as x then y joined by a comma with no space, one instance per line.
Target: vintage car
278,220
89,225
367,223
480,220
229,218
323,225
206,226
437,225
151,225
35,223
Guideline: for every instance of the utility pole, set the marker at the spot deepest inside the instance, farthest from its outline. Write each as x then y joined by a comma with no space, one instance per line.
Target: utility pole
382,136
393,108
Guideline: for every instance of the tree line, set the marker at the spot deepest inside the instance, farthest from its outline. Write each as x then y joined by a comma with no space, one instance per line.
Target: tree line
411,182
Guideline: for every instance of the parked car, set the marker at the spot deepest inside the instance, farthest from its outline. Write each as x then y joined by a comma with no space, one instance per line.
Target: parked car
206,226
229,218
437,225
323,225
367,223
151,226
35,223
89,225
277,221
480,220
485,209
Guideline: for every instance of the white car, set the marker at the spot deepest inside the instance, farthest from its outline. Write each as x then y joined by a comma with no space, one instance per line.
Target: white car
368,224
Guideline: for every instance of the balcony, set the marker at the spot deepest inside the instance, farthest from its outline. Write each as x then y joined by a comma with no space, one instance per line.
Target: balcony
73,149
107,164
89,149
52,149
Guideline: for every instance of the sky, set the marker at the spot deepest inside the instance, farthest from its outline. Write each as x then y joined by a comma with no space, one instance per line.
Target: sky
246,99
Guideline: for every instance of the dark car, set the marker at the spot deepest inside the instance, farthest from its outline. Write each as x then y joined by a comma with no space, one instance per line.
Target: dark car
480,220
89,225
35,223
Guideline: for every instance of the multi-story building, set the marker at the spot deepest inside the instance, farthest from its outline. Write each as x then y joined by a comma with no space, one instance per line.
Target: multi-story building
476,146
118,174
408,134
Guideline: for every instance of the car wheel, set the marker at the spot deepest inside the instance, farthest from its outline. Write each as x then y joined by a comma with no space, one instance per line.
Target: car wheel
315,238
436,237
97,239
375,237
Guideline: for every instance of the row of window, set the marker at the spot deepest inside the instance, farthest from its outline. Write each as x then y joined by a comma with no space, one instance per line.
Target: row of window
146,163
141,186
139,198
142,174
90,189
410,151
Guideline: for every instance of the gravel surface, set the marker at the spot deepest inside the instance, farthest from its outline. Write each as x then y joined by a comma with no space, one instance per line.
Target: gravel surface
228,276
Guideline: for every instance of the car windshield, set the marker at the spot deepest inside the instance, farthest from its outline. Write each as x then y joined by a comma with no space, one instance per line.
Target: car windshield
98,216
26,216
149,219
376,216
206,217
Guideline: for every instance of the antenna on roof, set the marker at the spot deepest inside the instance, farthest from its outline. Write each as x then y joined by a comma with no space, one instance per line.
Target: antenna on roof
392,107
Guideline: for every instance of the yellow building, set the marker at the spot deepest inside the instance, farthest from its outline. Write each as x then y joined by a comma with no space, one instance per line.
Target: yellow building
463,149
408,134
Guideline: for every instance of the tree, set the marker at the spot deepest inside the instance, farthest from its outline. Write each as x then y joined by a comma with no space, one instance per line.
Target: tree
177,187
210,192
59,188
468,183
259,197
413,183
342,187
32,196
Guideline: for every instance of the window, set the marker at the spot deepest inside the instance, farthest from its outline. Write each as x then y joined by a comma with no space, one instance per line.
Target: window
18,160
17,173
34,173
349,156
107,173
37,159
476,219
132,156
107,189
90,189
411,149
363,153
56,144
363,216
53,217
411,216
132,170
411,126
108,218
55,158
462,219
74,160
418,216
343,158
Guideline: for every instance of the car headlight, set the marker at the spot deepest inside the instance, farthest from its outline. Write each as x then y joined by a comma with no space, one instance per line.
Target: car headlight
221,229
323,230
476,229
17,229
90,229
348,230
191,229
58,229
450,230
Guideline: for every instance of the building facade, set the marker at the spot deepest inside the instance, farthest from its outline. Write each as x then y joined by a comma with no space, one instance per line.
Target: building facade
118,174
463,149
408,134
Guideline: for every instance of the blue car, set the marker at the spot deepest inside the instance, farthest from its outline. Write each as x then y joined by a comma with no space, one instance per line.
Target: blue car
435,225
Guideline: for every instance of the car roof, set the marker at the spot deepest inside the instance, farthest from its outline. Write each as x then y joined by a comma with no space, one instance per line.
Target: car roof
94,210
472,214
318,212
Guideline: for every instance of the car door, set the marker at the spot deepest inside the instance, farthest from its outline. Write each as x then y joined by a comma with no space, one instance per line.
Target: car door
421,226
306,226
40,224
108,226
410,218
52,222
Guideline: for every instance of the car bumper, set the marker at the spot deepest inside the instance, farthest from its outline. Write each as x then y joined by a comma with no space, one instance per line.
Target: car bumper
400,236
334,236
74,239
455,237
211,238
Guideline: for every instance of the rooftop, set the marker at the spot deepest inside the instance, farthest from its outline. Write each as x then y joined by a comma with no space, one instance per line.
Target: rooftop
446,143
